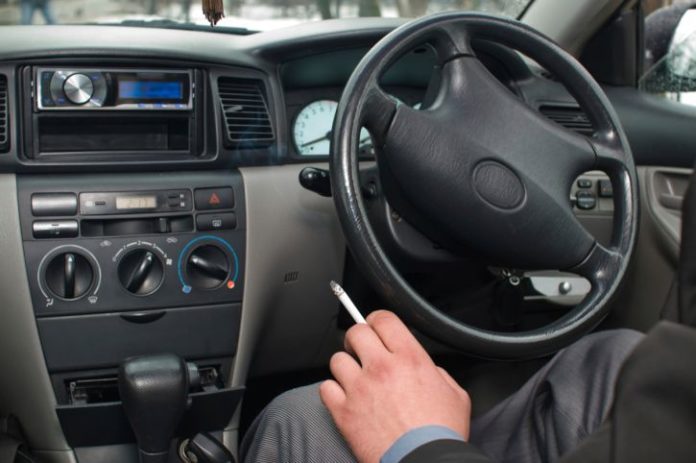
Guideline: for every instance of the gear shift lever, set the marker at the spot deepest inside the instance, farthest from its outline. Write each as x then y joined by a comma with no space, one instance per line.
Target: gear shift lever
154,391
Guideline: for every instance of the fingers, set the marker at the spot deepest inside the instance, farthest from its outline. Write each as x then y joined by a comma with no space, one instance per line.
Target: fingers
344,368
393,333
332,395
362,341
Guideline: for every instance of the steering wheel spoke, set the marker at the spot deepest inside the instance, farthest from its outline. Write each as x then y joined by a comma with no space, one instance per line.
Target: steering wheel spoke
450,42
598,265
608,153
379,111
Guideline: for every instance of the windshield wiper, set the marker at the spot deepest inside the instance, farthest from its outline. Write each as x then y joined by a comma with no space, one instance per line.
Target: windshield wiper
171,24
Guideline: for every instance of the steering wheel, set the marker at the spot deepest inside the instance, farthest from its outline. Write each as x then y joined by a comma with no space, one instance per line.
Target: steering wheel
480,170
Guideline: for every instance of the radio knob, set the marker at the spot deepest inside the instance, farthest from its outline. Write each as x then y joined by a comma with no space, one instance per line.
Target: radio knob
207,267
78,88
69,275
141,272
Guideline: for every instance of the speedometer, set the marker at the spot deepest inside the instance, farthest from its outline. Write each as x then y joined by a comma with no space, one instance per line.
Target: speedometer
312,129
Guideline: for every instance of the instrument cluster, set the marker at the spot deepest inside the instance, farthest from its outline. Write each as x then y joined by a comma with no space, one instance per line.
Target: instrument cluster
312,116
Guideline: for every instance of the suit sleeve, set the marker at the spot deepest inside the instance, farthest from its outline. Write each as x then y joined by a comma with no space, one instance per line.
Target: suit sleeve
415,438
432,444
446,451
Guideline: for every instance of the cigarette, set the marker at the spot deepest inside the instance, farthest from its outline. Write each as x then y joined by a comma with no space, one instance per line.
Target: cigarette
347,303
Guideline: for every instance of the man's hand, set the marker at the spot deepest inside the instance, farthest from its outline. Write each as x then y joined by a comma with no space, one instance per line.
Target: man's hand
394,388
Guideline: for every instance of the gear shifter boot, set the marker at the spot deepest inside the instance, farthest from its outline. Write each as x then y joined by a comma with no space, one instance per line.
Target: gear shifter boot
154,391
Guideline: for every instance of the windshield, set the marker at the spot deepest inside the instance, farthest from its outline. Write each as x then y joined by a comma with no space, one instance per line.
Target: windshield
254,15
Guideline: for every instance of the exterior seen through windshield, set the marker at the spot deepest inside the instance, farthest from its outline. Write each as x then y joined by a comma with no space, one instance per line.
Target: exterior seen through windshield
255,15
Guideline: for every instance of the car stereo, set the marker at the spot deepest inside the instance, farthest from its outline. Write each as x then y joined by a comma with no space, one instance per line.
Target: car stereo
113,89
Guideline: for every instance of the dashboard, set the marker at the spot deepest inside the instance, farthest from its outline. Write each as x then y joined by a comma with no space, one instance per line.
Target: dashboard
187,106
152,203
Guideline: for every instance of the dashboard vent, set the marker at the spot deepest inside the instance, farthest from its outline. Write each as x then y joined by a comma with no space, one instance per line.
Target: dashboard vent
570,117
4,115
245,110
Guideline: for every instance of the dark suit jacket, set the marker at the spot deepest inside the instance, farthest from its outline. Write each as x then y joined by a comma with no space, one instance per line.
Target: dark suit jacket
653,418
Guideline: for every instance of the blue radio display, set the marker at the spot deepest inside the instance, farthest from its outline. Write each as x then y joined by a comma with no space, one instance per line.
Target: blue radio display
150,90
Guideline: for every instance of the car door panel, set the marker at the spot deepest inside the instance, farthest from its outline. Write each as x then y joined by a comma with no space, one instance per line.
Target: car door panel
660,133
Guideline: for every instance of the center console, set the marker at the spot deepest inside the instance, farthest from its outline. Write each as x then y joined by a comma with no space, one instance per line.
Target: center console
133,229
123,265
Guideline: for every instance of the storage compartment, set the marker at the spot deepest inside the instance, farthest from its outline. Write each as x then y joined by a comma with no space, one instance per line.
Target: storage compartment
125,133
87,342
140,226
95,390
106,423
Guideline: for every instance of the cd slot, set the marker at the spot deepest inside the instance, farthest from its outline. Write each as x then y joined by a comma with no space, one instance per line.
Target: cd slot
137,226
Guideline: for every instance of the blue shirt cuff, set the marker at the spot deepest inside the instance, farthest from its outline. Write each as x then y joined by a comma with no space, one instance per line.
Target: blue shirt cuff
415,438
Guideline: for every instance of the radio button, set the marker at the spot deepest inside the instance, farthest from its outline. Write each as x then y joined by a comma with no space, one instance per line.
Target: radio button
223,221
585,200
214,198
55,229
176,200
53,204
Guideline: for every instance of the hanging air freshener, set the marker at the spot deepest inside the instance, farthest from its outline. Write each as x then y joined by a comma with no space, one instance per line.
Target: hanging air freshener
213,10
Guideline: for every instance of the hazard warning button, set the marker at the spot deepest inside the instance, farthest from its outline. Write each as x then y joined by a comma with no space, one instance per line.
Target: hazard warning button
214,198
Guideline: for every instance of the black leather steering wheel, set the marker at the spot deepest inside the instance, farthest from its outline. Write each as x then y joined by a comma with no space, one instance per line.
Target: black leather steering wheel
480,170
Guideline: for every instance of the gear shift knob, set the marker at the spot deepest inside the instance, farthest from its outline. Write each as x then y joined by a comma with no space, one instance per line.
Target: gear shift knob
154,391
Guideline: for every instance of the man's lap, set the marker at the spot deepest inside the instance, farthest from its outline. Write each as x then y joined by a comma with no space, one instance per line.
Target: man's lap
559,406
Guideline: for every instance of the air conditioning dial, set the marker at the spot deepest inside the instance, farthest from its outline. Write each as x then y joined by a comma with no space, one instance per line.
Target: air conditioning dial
141,272
208,263
69,275
207,267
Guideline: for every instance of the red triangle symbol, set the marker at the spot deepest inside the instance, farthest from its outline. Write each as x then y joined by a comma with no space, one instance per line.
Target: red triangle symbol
214,199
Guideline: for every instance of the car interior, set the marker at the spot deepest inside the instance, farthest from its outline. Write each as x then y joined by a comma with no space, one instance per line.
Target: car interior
507,176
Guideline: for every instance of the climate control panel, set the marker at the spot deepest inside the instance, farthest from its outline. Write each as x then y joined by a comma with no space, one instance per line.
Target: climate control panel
117,262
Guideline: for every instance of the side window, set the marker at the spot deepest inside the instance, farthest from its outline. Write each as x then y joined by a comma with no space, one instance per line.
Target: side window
670,50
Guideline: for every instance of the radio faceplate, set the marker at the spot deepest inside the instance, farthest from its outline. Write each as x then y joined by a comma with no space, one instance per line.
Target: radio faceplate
113,89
